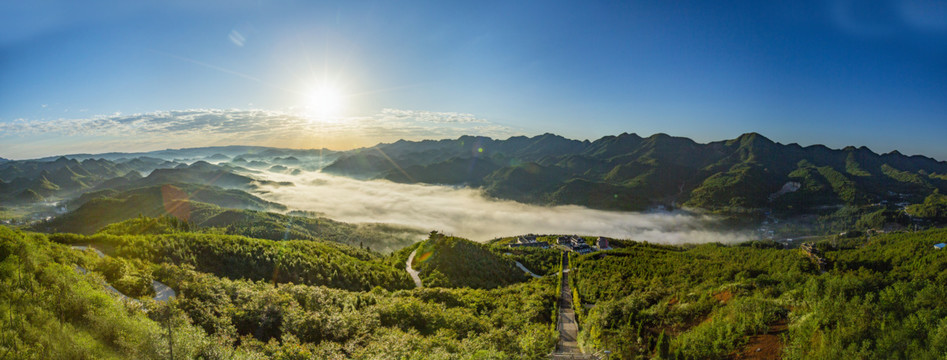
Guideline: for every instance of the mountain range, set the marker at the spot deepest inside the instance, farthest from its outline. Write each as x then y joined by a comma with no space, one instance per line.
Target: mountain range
628,172
254,282
624,172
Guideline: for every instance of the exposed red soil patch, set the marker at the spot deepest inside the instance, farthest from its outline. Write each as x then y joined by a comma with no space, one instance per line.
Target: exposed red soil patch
723,296
764,346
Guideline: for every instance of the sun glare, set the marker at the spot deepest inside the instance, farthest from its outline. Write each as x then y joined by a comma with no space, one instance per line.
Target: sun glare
325,102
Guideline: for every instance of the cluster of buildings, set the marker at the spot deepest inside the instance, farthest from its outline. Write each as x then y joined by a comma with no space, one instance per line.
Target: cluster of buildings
528,241
573,243
577,244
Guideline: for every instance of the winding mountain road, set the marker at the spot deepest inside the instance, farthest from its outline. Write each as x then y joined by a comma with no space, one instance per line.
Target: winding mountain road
414,273
162,292
519,265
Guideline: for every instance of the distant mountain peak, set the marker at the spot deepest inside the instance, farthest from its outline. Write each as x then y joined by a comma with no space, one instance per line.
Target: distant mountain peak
755,136
659,136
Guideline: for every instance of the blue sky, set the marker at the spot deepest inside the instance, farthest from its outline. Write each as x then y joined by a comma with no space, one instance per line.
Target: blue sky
126,76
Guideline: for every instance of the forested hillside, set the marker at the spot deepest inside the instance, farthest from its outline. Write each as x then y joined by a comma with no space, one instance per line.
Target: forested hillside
237,257
627,172
234,302
24,182
217,210
878,297
933,209
449,261
63,177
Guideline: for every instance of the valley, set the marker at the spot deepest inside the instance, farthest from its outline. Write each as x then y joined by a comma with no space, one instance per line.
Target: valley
473,180
269,255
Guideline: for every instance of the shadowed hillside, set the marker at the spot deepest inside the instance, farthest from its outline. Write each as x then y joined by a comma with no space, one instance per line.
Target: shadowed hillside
627,172
218,210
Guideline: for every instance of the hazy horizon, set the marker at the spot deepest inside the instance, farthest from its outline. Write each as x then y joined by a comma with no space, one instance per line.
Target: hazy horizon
138,148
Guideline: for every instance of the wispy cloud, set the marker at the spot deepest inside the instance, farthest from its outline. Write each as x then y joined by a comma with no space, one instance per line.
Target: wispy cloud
199,127
236,38
430,116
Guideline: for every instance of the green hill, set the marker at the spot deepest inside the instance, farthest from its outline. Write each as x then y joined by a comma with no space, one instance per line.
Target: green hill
933,209
59,178
28,196
237,257
202,173
186,202
446,261
156,194
213,209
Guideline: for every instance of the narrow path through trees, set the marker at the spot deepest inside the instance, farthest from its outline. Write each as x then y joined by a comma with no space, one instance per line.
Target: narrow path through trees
162,292
568,328
411,271
522,267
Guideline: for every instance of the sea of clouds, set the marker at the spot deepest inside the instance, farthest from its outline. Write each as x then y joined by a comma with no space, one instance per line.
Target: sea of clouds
467,213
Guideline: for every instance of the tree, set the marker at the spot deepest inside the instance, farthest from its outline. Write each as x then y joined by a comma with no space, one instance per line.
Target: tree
663,346
169,316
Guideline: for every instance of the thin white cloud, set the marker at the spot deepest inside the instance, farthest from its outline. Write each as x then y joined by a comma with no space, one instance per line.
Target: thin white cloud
430,116
237,38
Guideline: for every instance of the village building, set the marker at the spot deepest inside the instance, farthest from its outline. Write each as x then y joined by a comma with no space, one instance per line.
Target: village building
575,243
602,243
582,249
528,241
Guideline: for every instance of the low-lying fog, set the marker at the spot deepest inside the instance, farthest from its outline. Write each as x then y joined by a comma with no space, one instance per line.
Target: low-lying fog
466,213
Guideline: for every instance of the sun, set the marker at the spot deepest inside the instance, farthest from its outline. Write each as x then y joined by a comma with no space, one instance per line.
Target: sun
325,102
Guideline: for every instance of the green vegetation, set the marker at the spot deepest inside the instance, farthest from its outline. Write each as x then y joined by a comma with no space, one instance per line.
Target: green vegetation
539,261
32,180
184,202
51,310
743,186
267,225
256,284
878,298
879,219
447,261
627,172
237,257
934,208
150,196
